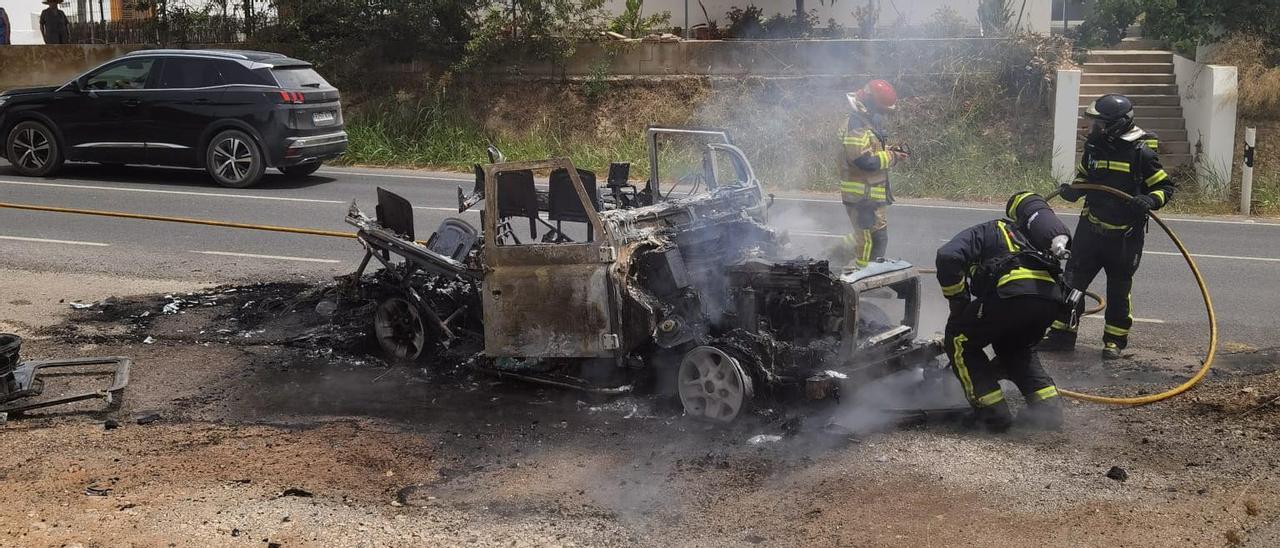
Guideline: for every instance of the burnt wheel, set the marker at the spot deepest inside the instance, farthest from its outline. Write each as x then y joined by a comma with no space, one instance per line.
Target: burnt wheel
712,385
400,328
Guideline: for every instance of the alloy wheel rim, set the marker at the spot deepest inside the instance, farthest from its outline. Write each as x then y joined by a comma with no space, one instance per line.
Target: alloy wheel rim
233,159
32,149
712,385
399,328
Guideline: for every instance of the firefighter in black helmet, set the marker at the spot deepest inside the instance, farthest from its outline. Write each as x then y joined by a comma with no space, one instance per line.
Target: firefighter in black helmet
1002,279
1109,237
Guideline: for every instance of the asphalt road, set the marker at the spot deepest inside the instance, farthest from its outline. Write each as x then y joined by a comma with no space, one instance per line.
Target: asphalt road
1240,258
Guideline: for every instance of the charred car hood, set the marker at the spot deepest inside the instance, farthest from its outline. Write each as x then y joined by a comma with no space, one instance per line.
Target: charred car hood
28,91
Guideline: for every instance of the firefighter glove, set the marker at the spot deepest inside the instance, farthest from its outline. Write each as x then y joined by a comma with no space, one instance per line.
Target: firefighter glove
1067,193
1143,203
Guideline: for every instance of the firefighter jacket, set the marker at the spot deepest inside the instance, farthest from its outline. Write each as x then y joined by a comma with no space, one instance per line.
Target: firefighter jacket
1129,164
864,161
995,258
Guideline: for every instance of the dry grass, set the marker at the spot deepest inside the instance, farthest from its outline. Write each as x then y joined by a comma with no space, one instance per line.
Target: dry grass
1259,106
967,142
1259,77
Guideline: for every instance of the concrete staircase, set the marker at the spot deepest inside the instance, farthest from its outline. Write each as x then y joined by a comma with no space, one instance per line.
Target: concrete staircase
1145,74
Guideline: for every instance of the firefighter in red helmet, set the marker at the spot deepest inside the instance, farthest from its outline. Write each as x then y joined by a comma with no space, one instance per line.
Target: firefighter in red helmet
864,163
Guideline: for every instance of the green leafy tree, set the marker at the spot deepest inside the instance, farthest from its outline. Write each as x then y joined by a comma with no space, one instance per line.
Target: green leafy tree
530,30
994,16
632,21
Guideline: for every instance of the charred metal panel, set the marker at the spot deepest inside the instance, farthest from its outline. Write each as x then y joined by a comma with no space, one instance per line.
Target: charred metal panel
548,300
560,311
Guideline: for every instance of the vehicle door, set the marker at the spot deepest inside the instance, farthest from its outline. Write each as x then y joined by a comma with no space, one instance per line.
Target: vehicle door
543,297
185,102
105,121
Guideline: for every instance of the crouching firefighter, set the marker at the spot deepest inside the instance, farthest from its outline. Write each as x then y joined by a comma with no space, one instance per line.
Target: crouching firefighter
1003,281
1120,155
864,170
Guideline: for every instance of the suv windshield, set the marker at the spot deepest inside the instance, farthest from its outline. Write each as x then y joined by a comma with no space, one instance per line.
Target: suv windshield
299,77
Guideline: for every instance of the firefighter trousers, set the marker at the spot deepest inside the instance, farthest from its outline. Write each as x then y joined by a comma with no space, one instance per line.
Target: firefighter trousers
870,236
1116,252
1012,327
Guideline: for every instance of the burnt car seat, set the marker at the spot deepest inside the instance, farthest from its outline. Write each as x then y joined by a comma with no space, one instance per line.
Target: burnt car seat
454,239
563,203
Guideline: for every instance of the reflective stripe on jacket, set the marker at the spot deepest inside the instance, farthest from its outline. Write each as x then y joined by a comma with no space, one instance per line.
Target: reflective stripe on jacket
864,162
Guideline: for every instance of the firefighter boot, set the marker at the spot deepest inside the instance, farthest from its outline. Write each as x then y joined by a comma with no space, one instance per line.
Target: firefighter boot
994,419
1058,340
1042,415
1113,347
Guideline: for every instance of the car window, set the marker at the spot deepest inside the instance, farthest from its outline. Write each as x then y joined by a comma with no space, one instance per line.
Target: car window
299,78
131,74
235,73
186,73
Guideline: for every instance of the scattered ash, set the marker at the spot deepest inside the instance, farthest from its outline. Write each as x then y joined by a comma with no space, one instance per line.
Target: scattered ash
314,318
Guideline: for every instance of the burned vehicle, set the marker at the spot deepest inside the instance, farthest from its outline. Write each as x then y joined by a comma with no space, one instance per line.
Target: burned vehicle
675,287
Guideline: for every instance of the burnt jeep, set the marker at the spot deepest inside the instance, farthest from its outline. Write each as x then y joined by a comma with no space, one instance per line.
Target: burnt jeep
677,286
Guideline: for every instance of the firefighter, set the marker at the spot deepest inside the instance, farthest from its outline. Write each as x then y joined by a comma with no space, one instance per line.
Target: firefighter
864,170
1002,279
1110,234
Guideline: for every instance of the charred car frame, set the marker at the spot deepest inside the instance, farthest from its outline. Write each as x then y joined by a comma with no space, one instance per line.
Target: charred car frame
678,289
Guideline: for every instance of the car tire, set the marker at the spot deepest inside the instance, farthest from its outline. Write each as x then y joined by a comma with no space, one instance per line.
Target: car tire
301,170
33,150
234,159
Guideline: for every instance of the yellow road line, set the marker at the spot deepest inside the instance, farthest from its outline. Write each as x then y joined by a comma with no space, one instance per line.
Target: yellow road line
184,220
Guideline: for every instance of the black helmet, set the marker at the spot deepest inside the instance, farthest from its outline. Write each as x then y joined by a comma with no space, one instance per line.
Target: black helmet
1112,115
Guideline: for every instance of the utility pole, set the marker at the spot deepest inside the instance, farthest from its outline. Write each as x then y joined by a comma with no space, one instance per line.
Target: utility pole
1246,172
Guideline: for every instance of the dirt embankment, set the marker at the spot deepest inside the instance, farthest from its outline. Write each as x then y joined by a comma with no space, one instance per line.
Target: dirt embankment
264,436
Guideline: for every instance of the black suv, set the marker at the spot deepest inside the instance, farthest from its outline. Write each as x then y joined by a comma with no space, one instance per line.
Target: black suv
234,113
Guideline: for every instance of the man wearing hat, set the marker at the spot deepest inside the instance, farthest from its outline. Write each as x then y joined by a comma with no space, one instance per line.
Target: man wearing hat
53,24
864,170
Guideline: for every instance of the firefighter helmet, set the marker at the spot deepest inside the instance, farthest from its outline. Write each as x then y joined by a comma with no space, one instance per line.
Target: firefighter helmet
878,96
1112,115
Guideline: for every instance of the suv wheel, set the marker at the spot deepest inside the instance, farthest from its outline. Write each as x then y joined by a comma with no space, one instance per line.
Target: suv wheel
33,150
234,159
301,170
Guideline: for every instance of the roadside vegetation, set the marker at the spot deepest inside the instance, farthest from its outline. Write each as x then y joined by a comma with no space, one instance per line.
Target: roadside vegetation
978,126
973,120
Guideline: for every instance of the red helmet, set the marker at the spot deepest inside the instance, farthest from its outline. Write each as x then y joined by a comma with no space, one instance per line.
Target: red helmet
878,95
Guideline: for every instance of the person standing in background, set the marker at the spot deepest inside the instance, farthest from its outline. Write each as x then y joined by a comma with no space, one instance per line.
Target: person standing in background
6,29
53,24
864,171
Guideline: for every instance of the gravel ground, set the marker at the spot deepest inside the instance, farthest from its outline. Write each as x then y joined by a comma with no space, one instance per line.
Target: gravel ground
262,440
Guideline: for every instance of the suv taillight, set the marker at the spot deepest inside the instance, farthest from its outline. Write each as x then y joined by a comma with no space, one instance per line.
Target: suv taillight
292,97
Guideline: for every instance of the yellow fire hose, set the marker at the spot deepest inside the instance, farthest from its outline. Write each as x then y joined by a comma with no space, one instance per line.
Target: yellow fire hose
1208,307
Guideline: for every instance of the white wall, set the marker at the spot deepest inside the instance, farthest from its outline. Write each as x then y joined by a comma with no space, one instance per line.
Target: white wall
24,15
1209,105
1066,108
1035,14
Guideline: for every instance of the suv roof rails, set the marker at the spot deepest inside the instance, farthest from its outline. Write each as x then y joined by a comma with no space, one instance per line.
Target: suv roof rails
225,54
